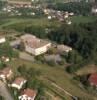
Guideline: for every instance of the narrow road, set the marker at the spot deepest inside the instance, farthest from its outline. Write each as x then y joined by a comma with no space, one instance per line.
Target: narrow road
4,91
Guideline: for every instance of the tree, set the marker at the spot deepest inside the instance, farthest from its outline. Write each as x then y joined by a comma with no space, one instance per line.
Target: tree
2,4
80,8
6,50
33,73
51,63
84,80
2,98
52,51
22,46
74,57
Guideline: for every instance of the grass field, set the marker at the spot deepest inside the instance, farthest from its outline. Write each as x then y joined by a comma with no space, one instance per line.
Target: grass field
83,19
56,74
21,23
87,70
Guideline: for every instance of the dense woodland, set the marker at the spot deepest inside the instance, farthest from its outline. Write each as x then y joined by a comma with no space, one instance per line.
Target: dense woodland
81,8
2,4
7,51
81,37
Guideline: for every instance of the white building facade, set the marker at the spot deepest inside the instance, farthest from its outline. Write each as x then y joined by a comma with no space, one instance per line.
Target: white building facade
27,94
2,40
25,97
37,51
18,85
34,45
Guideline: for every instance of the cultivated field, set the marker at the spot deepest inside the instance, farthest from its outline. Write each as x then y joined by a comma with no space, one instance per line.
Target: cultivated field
57,75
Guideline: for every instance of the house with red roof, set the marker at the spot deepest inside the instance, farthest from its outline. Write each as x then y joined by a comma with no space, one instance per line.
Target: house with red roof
27,94
93,79
18,83
5,73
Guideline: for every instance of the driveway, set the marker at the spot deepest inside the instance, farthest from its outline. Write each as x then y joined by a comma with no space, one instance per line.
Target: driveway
4,91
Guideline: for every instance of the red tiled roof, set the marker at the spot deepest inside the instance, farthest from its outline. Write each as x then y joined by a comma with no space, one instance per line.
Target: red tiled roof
18,80
93,79
33,41
29,92
5,71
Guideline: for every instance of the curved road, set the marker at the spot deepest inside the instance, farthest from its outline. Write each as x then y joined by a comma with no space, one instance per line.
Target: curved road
4,91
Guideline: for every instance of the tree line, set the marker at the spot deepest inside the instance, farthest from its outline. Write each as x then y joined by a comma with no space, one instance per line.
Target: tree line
81,8
81,37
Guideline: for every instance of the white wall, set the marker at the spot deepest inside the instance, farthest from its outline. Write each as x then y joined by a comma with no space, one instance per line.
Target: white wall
25,97
18,86
41,50
37,51
2,40
30,50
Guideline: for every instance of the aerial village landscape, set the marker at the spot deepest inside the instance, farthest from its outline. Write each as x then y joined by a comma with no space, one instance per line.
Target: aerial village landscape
48,50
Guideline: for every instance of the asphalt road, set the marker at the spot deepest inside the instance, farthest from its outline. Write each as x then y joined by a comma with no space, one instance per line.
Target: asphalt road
4,91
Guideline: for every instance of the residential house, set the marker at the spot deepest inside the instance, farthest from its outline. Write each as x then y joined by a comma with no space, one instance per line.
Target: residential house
6,73
93,79
46,11
92,1
27,94
63,48
94,10
71,13
34,45
72,1
18,82
2,40
5,59
68,22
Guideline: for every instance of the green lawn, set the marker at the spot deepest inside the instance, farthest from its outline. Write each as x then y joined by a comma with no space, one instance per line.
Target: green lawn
83,19
21,23
87,69
58,75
